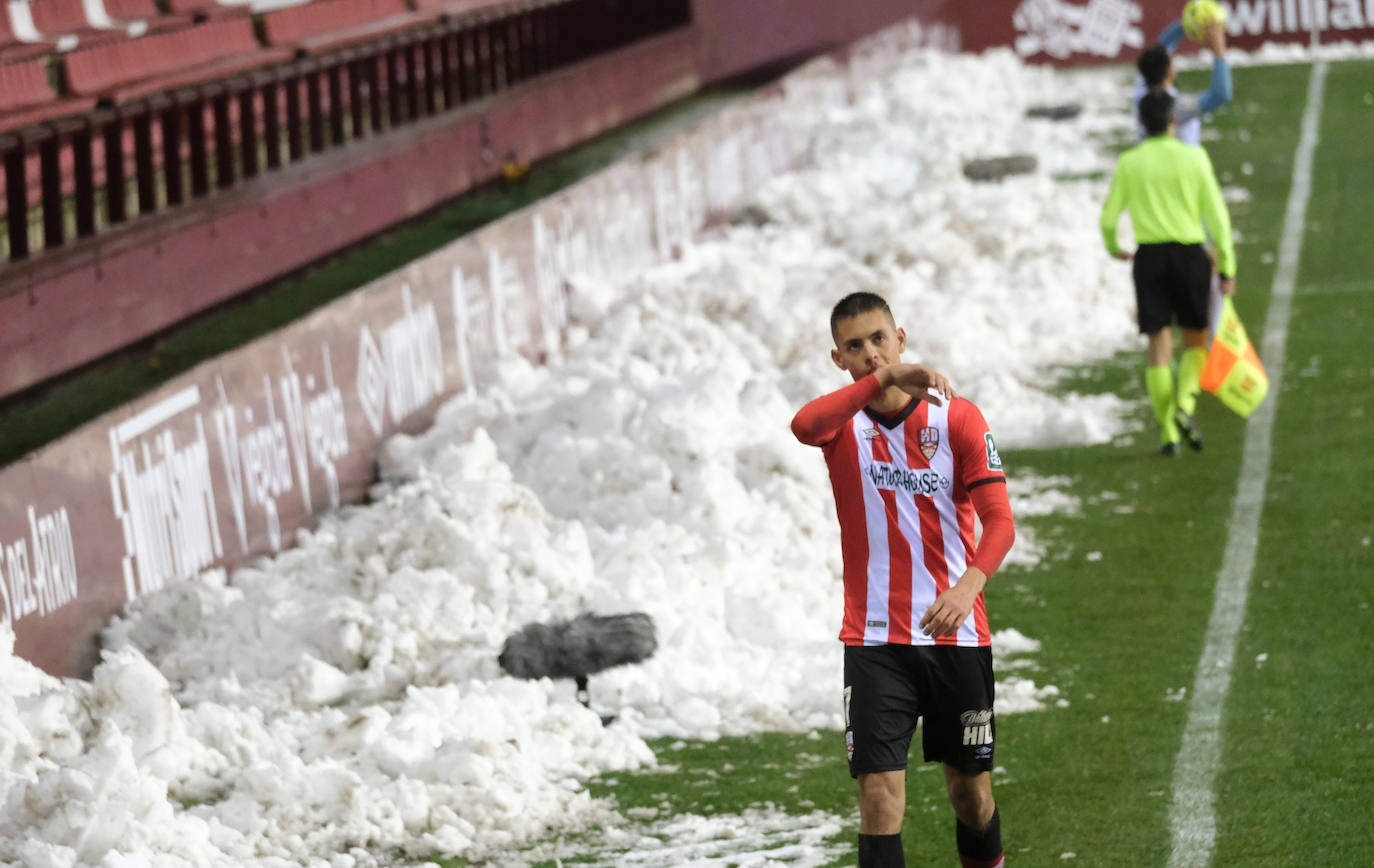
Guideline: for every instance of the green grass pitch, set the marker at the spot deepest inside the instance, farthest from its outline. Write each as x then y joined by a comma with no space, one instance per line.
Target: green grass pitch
1122,633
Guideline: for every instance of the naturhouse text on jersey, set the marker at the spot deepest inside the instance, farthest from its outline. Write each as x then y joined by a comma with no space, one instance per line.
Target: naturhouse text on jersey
889,476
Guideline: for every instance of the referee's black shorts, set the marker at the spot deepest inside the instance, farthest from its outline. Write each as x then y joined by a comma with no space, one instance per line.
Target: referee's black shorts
1172,284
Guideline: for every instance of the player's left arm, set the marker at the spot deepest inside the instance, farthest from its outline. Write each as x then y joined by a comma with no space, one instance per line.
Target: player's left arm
980,467
1172,35
1219,89
1112,208
1218,219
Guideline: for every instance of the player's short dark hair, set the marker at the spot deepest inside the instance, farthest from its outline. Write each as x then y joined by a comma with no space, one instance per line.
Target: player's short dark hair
1156,109
1153,64
857,303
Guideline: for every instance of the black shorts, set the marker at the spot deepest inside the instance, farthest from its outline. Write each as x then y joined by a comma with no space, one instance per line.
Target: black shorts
1172,284
887,687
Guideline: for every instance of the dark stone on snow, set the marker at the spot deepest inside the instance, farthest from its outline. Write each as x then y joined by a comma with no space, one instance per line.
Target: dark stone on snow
1063,112
997,168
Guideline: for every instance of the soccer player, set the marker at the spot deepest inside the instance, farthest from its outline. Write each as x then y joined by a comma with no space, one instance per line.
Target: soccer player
908,471
1169,189
1156,66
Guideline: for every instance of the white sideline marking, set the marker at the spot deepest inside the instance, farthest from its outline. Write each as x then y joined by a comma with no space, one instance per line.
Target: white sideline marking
1192,816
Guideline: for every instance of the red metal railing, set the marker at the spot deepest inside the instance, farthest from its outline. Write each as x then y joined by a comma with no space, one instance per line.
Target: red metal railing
76,177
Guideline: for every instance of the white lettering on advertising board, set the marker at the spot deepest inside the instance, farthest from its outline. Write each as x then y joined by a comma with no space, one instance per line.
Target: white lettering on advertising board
256,461
407,371
674,223
317,425
1059,28
40,578
460,287
623,233
725,174
1261,17
164,498
259,460
558,253
509,324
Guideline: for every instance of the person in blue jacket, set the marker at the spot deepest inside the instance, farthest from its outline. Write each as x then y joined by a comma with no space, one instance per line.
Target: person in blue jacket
1156,66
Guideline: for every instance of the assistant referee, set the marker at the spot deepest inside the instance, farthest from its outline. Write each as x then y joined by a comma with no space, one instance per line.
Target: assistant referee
1169,189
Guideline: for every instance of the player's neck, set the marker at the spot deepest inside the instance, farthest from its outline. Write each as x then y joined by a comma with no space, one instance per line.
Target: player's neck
890,402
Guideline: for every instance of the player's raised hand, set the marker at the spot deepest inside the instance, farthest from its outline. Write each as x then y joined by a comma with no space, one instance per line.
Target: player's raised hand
922,382
1227,285
1214,37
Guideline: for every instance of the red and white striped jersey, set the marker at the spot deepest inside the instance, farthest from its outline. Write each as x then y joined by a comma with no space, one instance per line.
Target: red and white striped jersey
901,489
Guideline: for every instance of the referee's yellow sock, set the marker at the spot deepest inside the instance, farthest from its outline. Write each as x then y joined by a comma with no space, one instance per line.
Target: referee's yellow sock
1159,382
1190,378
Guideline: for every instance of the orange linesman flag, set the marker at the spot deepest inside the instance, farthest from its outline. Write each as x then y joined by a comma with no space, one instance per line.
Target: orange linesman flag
1233,371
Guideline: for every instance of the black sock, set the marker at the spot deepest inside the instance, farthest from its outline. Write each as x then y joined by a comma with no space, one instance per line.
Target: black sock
881,851
979,848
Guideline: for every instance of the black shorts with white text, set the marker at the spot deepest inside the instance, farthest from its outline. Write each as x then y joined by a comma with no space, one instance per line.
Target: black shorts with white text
887,687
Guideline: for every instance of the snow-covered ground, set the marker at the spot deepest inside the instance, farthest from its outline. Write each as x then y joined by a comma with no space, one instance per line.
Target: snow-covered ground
342,704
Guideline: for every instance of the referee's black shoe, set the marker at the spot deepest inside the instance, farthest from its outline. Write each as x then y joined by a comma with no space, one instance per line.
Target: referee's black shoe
1187,425
1169,450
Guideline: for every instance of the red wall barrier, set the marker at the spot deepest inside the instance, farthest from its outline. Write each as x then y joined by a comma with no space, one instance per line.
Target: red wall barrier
736,36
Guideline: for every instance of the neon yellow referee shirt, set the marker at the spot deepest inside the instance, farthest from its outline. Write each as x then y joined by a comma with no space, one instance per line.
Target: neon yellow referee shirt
1169,188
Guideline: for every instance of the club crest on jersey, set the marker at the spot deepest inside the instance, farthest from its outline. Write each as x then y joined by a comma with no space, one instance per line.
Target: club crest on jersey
929,438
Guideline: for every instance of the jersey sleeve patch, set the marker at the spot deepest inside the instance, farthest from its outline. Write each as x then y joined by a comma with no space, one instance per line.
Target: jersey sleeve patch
994,460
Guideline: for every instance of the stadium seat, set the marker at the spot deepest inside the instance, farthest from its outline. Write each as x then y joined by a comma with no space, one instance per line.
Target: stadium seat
188,6
130,10
24,84
455,8
11,47
326,24
125,70
24,36
134,17
56,18
26,97
90,22
260,6
221,8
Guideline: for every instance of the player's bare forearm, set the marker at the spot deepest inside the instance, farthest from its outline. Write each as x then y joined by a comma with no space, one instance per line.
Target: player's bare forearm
952,607
1214,37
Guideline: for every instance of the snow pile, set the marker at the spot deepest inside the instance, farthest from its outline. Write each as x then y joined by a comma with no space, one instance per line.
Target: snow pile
341,704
